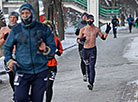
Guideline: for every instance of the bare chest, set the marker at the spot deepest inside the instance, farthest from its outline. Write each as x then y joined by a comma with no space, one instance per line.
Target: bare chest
90,33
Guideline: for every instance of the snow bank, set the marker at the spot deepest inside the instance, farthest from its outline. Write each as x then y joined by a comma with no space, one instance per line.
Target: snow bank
132,52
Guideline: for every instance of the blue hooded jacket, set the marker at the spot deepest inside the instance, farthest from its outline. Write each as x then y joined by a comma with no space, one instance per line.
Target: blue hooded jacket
25,38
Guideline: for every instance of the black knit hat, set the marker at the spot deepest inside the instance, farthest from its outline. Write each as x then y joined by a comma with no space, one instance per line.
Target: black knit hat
14,14
90,17
85,13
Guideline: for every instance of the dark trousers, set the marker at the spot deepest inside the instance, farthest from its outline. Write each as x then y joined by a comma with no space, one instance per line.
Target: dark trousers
33,83
82,64
11,75
89,56
130,27
114,31
11,79
49,87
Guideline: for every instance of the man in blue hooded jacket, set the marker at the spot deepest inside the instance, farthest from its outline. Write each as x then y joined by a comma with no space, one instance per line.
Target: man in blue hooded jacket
34,42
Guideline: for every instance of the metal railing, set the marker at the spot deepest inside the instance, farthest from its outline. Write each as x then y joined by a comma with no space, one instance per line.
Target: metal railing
103,11
81,2
108,11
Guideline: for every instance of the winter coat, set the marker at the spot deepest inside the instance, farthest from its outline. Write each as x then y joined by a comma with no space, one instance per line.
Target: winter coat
26,37
52,60
115,22
130,20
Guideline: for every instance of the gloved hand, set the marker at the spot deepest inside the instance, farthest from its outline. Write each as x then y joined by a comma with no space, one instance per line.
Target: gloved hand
58,53
108,28
77,32
83,39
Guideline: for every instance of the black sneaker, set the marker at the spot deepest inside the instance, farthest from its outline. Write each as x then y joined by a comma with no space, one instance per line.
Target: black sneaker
90,87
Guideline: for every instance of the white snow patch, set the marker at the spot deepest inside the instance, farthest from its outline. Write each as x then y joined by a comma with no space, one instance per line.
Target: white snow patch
70,29
132,52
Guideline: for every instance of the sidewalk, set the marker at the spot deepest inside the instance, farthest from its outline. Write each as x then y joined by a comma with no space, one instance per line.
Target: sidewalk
130,93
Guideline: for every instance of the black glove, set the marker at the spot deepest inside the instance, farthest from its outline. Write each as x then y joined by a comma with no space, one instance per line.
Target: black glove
77,32
83,39
58,53
108,28
5,36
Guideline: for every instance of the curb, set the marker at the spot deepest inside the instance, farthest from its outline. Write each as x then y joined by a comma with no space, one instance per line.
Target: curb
69,47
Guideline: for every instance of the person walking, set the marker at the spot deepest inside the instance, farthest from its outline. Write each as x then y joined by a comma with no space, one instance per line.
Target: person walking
115,23
136,22
34,42
52,65
4,32
130,20
89,52
82,24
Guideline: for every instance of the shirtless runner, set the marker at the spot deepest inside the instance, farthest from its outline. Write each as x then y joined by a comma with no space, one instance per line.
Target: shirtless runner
87,36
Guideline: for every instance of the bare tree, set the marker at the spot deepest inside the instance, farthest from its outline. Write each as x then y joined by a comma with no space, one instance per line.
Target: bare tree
60,20
52,7
35,5
46,4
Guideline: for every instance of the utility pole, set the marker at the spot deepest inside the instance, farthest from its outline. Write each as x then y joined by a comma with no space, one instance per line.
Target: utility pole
93,8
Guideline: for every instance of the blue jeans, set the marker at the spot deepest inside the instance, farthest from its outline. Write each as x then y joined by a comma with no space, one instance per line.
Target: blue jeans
35,84
89,57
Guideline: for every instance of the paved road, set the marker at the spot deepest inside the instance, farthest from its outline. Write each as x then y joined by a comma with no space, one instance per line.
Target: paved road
112,73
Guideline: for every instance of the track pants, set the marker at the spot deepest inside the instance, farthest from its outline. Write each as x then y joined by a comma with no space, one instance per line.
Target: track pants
49,87
82,64
130,27
33,83
89,57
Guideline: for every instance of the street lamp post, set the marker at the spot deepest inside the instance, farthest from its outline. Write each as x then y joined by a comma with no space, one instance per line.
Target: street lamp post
93,8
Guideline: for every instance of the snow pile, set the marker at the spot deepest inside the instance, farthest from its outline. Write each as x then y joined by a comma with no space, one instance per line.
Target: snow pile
70,29
68,42
132,52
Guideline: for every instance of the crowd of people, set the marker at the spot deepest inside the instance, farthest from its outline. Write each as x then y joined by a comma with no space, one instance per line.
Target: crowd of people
131,23
30,48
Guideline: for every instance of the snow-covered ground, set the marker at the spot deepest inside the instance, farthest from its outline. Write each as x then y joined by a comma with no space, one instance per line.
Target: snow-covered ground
132,53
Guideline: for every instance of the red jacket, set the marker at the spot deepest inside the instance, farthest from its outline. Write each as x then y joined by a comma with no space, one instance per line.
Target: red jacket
53,61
